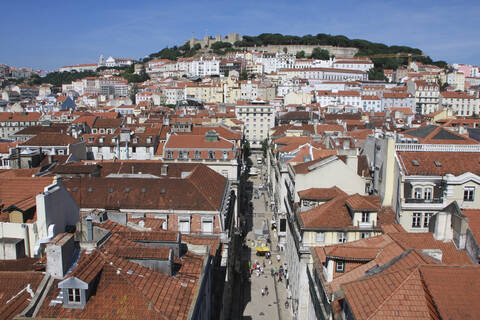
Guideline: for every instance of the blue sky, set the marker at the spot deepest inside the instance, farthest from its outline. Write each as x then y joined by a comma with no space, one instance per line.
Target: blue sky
49,34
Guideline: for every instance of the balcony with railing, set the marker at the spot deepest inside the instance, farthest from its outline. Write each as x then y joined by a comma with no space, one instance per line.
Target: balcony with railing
423,204
426,201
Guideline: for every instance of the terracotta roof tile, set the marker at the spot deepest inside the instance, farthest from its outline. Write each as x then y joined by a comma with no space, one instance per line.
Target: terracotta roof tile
14,292
473,222
50,139
203,189
321,194
461,163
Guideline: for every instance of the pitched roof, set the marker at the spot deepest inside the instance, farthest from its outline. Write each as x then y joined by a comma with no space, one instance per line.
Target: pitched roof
335,214
129,290
425,240
196,142
17,291
202,189
396,294
321,194
432,134
439,163
50,139
473,222
363,203
422,292
107,123
455,290
21,191
306,167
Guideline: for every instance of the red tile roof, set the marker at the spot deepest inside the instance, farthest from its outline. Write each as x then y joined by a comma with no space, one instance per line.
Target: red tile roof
321,194
50,139
203,189
15,291
196,142
473,222
448,163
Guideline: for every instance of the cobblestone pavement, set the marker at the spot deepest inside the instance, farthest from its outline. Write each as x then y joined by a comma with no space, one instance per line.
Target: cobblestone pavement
271,305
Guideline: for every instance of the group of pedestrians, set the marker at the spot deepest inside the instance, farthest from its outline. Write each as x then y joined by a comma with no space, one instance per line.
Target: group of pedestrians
257,268
279,273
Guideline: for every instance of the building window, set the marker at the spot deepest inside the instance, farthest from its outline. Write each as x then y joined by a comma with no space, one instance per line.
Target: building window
340,266
225,155
364,235
426,219
184,225
342,237
365,217
320,237
427,193
197,154
207,225
211,154
416,220
417,194
74,295
169,154
468,193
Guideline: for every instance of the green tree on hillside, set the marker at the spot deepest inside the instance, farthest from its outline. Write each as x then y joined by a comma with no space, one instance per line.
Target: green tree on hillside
376,74
300,54
319,53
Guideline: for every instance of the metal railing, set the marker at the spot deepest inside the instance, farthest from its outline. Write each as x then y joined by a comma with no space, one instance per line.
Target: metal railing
437,147
425,201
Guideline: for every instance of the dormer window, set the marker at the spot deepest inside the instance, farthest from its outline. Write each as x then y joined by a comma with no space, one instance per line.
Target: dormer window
211,154
365,217
340,266
169,154
197,154
468,193
74,296
417,193
427,193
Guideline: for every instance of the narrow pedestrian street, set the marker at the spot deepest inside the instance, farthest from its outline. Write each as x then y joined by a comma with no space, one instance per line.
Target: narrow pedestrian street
264,291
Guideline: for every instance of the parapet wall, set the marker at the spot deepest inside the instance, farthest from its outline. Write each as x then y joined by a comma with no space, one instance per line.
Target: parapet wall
340,52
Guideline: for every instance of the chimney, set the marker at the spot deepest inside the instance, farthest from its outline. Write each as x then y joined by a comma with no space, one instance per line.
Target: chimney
19,161
164,170
60,252
89,229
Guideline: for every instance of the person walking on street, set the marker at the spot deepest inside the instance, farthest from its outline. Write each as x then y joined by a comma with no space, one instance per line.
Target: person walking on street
278,258
266,290
263,292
